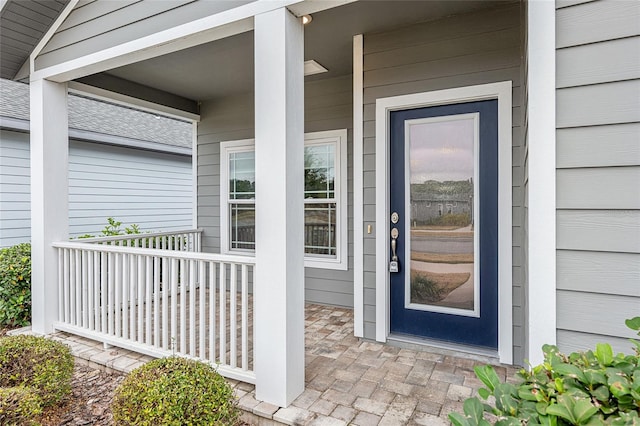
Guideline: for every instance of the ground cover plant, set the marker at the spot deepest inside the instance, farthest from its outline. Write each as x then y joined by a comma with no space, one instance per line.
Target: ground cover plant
174,391
35,373
582,388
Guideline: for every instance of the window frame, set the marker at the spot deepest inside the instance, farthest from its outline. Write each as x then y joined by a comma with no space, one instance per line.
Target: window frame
336,137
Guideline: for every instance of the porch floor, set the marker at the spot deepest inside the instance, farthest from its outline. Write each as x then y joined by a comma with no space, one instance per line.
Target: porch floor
348,380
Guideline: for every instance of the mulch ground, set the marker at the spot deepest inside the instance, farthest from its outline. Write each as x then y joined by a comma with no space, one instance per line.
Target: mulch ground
90,400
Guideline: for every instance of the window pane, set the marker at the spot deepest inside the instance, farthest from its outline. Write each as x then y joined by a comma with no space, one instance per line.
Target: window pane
243,226
320,229
242,176
319,171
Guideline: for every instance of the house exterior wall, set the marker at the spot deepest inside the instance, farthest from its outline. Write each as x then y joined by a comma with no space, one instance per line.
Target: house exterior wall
598,171
478,48
151,189
328,106
97,25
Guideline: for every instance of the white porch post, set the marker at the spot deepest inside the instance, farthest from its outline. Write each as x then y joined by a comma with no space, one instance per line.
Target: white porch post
541,89
49,196
279,134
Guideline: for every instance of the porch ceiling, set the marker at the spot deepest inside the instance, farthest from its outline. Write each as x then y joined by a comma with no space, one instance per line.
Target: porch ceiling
225,67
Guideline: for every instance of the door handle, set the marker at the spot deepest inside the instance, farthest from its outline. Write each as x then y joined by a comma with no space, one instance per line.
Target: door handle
394,243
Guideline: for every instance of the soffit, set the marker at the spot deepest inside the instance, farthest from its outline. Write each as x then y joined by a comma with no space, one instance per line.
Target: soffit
225,67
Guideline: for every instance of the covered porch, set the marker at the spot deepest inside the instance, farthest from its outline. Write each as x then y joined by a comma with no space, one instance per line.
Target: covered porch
347,380
232,291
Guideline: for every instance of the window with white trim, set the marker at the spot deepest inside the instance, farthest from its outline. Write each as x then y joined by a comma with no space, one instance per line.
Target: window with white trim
325,198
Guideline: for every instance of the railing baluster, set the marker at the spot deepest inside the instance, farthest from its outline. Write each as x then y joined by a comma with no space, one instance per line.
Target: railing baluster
90,287
244,345
174,302
202,320
141,284
233,314
212,312
192,308
183,307
148,301
96,291
118,284
156,301
103,292
60,285
166,282
67,284
74,287
133,272
126,276
83,288
223,313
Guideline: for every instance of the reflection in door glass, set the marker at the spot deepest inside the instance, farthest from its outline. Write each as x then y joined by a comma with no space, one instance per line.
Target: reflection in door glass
441,213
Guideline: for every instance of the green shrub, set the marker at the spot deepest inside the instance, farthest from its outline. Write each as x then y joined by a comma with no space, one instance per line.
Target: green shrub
451,219
18,405
15,285
584,388
174,391
44,365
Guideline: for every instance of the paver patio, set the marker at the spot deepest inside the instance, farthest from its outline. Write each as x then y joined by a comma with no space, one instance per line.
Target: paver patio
348,380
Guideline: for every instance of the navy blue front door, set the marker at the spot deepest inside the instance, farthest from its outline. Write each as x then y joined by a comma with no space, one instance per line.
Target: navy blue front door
444,199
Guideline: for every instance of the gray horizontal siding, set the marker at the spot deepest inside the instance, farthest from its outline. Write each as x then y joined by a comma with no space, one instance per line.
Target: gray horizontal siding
478,48
598,170
95,26
153,190
597,21
598,146
328,106
599,272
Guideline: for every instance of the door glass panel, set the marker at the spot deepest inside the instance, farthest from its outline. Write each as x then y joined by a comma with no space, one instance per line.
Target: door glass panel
442,242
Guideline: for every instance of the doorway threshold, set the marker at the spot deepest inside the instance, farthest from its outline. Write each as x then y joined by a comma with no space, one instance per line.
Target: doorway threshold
445,348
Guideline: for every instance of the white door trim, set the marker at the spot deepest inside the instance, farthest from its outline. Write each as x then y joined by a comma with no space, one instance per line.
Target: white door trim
502,92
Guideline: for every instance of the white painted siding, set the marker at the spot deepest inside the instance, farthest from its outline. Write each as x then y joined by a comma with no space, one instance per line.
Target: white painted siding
598,172
151,189
476,48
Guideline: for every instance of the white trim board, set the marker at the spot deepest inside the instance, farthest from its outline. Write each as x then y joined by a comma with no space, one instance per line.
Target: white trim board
358,187
130,102
541,244
502,92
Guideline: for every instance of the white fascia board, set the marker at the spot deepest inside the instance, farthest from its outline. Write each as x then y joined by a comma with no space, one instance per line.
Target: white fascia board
221,25
130,102
50,32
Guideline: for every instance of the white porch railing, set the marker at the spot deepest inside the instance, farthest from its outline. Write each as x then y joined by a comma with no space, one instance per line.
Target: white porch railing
183,240
160,302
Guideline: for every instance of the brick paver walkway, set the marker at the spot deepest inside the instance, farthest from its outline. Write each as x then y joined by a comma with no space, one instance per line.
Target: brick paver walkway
349,381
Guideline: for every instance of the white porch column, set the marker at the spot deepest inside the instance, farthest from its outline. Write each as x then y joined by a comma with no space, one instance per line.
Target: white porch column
49,196
541,89
279,134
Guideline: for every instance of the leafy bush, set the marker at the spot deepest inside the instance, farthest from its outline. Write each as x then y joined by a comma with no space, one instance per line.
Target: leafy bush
584,388
15,285
112,228
174,391
45,366
18,405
